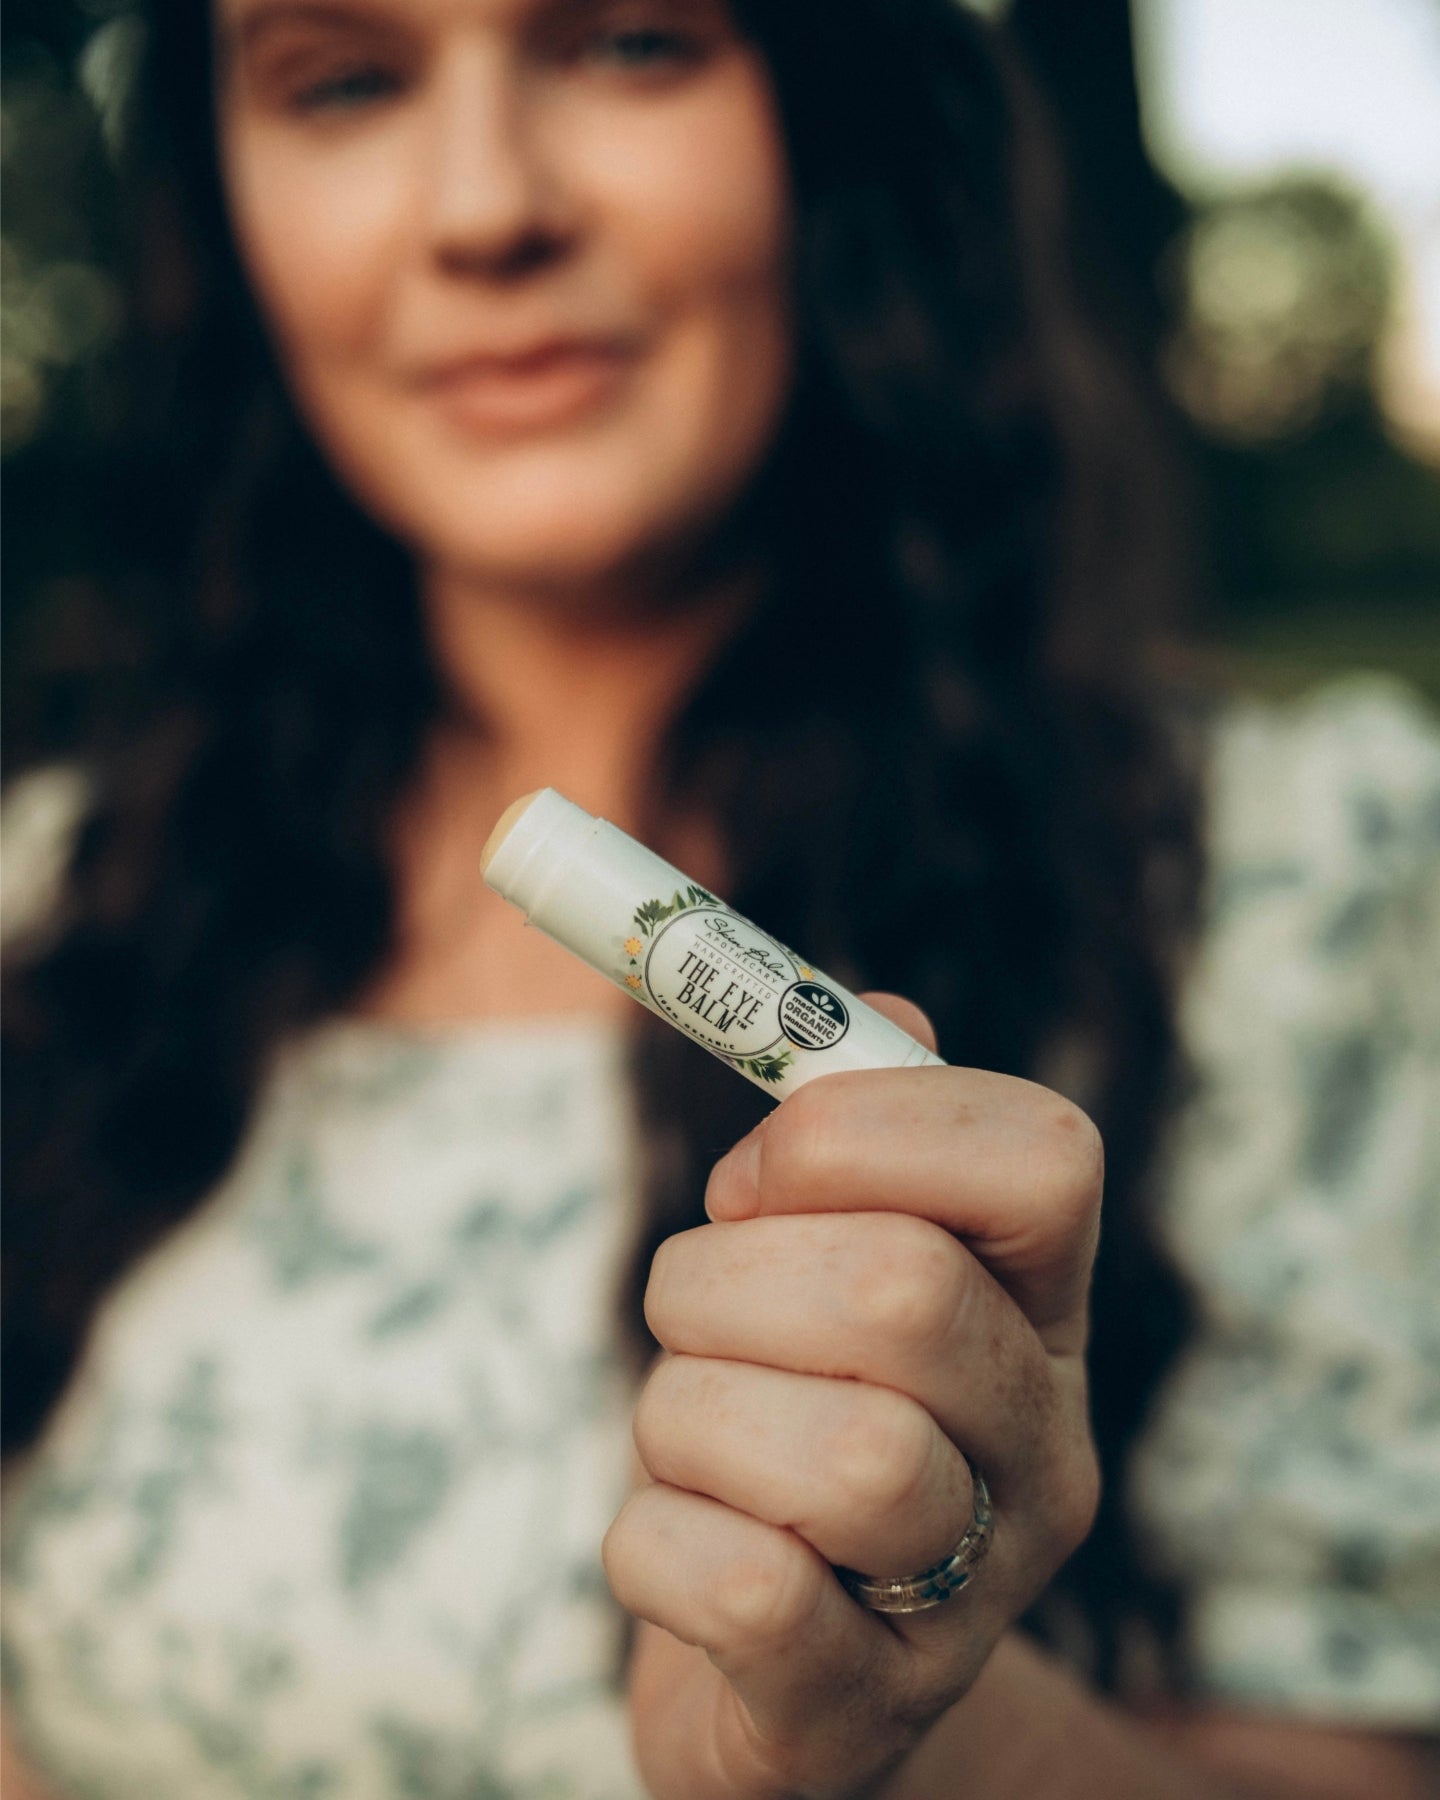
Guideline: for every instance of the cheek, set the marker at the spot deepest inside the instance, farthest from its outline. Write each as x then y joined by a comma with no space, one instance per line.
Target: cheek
701,199
704,216
704,223
319,236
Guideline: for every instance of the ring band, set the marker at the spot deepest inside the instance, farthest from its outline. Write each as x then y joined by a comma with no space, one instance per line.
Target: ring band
935,1585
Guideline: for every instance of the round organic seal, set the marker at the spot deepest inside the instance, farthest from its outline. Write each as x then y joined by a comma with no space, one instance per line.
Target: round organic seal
811,1016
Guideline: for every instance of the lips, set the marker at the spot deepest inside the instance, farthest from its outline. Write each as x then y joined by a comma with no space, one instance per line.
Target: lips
556,382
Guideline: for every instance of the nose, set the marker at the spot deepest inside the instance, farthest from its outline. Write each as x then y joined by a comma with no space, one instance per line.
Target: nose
497,204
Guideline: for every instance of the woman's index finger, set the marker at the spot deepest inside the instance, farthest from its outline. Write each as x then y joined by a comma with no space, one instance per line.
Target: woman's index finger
1012,1169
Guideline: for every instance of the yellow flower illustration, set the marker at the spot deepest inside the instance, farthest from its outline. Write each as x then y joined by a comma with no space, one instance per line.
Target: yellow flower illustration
633,946
805,973
632,981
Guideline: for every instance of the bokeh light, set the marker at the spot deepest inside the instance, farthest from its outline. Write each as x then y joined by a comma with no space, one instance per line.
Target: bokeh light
1285,292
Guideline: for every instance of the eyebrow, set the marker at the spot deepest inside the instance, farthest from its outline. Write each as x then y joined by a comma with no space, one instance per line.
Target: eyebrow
256,20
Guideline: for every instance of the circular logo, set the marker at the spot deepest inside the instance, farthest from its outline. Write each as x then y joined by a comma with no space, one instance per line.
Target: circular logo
720,979
813,1017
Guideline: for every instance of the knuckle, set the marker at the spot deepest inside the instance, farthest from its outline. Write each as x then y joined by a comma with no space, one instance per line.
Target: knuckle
678,1391
655,1285
909,1293
1074,1499
798,1140
1074,1159
620,1552
766,1595
665,1282
1084,1497
880,1458
650,1425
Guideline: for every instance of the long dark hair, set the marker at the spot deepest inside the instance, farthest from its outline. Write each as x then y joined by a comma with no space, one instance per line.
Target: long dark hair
947,776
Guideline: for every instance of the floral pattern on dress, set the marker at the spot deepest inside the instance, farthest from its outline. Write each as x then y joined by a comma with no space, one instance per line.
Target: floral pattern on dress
321,1518
1291,1476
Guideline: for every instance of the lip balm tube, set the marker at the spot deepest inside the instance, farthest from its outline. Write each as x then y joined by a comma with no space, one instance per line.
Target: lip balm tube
682,952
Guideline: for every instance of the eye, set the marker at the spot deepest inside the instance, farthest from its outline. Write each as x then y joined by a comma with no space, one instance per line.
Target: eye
347,90
643,41
643,47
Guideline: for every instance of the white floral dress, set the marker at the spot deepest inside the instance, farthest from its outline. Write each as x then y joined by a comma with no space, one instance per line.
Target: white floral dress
320,1517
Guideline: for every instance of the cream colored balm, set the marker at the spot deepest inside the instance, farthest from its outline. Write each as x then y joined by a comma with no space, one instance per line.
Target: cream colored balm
682,952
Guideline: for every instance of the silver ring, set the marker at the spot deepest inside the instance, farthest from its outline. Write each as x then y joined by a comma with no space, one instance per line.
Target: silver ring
937,1584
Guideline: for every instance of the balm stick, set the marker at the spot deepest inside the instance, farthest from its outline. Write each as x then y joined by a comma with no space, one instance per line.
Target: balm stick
682,952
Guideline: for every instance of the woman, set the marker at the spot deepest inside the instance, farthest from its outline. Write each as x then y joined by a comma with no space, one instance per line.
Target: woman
671,405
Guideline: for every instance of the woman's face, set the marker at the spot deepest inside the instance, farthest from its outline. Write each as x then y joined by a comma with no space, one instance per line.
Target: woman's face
524,262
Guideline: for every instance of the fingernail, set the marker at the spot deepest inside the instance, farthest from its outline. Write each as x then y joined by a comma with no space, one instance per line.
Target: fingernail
733,1191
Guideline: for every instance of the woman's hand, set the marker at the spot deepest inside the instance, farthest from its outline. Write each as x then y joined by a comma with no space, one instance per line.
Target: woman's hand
893,1290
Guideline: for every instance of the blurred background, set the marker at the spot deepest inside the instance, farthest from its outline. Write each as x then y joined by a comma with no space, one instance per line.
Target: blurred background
1260,194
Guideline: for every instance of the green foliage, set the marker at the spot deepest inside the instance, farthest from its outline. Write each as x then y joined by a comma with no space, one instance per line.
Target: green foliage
764,1068
1286,289
648,916
654,912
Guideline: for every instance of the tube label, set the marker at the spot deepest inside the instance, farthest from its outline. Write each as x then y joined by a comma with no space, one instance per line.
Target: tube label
730,986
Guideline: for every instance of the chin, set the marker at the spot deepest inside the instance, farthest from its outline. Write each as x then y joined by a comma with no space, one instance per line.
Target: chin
552,533
532,554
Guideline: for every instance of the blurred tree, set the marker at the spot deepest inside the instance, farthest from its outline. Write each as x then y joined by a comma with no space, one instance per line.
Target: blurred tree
1263,310
71,538
59,242
1284,293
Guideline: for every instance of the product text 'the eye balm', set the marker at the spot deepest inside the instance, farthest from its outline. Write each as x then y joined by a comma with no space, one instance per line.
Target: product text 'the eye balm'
681,951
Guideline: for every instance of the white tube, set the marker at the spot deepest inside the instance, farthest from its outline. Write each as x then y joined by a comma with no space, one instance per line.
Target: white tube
682,952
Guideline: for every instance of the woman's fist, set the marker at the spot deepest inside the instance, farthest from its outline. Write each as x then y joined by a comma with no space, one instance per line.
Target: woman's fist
893,1290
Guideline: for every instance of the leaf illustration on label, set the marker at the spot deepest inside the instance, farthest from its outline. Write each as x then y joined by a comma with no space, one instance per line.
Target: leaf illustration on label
765,1068
651,913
